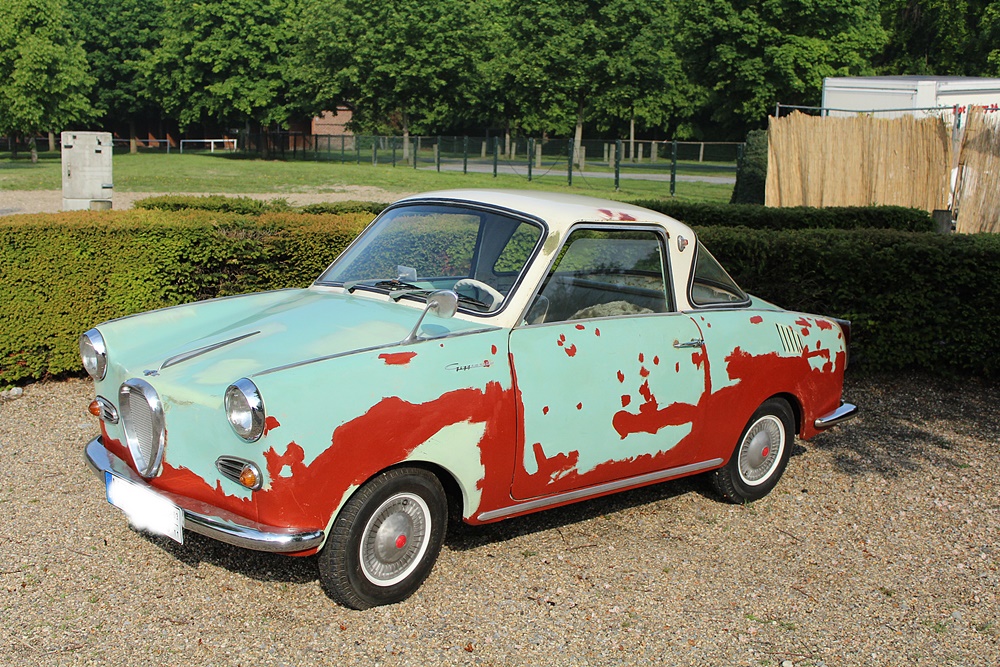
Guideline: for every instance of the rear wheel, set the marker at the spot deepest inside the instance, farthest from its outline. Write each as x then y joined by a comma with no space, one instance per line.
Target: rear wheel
760,456
386,539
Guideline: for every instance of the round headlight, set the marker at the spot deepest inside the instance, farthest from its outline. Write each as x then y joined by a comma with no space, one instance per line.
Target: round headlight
94,354
245,409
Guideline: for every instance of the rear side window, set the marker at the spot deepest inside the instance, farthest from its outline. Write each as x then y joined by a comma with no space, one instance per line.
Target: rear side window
711,285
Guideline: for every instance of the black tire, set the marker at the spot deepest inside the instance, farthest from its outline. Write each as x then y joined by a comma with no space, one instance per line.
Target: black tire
760,456
385,540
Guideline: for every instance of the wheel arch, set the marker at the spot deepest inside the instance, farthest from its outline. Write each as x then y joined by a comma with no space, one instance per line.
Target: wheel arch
793,403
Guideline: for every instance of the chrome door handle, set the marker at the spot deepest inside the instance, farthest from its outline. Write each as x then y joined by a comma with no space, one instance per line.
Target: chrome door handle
694,342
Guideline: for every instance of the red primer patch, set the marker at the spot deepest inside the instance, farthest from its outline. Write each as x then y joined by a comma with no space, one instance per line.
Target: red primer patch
626,400
579,406
580,327
571,350
824,325
644,372
270,424
621,376
545,410
756,319
597,332
397,358
493,349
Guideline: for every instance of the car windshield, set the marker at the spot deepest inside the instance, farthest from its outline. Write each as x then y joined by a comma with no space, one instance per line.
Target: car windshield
412,250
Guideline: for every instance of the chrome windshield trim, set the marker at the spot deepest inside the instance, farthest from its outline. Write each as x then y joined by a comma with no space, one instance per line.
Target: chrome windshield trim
210,521
600,489
362,350
191,354
845,412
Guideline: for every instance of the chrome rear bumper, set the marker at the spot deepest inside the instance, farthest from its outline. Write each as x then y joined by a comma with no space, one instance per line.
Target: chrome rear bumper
844,413
207,519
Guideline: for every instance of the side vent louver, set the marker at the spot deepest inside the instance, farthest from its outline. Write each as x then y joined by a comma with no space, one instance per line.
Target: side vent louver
790,340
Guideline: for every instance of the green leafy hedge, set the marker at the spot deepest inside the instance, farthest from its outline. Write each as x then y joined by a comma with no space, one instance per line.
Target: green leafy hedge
251,206
799,217
918,301
64,273
928,302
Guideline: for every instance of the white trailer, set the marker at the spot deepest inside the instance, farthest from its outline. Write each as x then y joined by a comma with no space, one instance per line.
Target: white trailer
896,95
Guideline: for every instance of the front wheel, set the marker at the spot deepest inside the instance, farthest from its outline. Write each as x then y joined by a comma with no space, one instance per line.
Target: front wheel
760,456
385,540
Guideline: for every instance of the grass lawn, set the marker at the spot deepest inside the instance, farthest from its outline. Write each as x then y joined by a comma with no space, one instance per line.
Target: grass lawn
208,173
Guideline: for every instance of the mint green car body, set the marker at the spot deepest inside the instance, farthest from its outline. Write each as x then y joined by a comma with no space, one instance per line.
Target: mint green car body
593,356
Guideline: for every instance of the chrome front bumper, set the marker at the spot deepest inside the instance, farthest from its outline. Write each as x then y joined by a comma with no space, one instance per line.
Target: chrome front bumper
207,519
844,413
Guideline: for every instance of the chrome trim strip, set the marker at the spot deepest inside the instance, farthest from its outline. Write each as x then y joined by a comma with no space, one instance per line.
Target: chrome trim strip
184,356
845,412
362,350
608,487
208,520
108,412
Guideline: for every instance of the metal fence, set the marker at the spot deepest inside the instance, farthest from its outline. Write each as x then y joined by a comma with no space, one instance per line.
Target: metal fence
523,156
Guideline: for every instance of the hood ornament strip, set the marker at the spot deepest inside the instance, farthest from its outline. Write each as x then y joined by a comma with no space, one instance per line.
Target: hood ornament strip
184,356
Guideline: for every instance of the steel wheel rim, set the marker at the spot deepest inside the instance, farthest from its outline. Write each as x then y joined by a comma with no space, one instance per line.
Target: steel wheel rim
761,449
395,539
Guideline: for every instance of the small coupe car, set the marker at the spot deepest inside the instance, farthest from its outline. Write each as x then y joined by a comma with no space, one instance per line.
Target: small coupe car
480,353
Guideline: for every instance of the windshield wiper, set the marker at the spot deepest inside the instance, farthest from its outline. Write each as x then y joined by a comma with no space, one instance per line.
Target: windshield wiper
391,285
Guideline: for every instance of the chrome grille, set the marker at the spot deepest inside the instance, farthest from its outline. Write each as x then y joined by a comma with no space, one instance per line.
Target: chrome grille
142,417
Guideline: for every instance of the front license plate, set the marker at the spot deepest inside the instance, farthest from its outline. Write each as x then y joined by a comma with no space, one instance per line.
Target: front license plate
145,509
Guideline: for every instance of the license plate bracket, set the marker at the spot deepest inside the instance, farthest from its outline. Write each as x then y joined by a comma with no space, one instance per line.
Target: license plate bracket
146,510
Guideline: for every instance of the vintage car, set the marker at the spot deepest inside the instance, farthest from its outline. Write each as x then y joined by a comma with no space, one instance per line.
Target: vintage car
480,353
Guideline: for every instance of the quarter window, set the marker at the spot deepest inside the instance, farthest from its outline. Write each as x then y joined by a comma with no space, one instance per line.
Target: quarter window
711,285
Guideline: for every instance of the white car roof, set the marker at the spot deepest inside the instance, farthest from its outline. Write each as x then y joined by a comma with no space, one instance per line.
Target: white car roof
560,210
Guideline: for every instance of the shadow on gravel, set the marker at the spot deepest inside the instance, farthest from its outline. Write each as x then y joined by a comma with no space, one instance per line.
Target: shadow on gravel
909,423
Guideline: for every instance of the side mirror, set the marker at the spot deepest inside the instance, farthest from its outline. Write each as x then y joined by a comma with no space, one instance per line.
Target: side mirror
444,304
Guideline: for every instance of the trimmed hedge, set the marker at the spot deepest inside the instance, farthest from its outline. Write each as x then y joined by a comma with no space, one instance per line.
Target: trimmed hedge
216,203
798,217
918,301
926,302
251,206
64,273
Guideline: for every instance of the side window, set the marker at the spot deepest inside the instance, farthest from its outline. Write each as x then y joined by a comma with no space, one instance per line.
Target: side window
711,285
604,273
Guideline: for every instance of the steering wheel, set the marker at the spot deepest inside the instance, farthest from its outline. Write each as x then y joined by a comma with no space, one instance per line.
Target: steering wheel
481,288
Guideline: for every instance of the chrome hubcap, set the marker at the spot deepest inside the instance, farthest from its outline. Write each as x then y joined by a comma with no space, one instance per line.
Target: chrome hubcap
761,450
395,539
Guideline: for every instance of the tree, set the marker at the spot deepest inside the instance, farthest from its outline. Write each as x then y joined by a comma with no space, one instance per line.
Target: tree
116,50
44,77
225,61
939,37
751,54
407,65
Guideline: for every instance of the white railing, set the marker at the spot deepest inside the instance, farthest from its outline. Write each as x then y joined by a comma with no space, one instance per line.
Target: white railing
211,142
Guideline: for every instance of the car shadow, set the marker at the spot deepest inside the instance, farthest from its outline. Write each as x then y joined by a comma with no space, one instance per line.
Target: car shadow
909,423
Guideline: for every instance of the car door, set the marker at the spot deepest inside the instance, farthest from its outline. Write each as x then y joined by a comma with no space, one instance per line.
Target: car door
608,374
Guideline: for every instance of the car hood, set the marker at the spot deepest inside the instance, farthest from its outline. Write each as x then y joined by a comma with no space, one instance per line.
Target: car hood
221,340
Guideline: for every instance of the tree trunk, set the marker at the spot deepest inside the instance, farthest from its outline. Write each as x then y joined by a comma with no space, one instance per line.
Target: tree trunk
631,138
406,137
578,135
133,145
506,142
13,145
34,150
52,142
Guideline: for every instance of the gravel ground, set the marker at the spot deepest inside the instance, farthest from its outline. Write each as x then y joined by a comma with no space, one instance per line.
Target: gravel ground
879,547
50,201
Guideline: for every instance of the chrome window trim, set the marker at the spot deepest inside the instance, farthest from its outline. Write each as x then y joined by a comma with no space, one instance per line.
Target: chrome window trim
735,305
654,227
